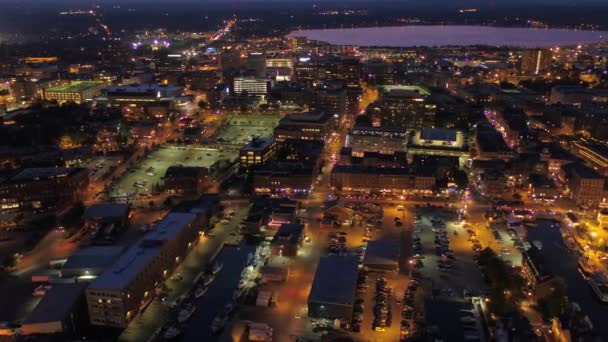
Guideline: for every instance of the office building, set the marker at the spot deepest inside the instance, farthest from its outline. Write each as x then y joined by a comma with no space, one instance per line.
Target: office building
257,151
256,62
305,126
37,190
78,91
404,107
536,62
126,288
439,142
187,180
135,93
330,99
253,86
362,139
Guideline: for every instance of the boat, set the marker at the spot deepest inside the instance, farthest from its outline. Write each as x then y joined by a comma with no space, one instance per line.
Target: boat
200,291
218,323
242,283
217,266
186,313
538,244
599,284
208,279
171,333
585,268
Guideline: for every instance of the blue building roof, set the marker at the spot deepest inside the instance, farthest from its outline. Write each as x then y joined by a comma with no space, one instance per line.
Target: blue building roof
335,280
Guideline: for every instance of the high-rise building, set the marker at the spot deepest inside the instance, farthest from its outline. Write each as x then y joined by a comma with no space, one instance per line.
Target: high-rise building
252,86
404,107
256,61
536,62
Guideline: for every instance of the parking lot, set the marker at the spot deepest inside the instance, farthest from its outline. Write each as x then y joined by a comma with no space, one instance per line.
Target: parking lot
445,252
238,129
141,179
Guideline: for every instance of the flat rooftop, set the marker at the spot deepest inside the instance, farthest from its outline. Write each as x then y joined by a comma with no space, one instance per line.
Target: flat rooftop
56,304
93,257
37,173
75,87
449,135
382,252
258,144
142,88
142,253
309,117
413,89
335,280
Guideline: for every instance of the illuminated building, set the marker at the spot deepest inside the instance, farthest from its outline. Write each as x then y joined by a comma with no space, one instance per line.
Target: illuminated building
293,171
330,100
490,144
439,142
256,61
184,180
135,93
586,186
79,91
255,86
365,179
594,153
577,95
536,62
381,140
287,240
38,190
306,126
126,288
404,107
257,151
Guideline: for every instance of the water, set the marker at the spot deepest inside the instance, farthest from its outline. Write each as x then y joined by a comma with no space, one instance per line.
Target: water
453,35
564,264
218,295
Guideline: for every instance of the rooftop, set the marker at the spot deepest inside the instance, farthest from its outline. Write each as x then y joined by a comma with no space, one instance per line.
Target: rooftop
371,169
414,90
93,257
308,117
75,87
289,232
382,252
56,304
37,173
258,144
137,257
143,88
335,280
438,134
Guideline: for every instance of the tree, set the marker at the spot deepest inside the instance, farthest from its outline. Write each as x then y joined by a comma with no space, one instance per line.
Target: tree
554,303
